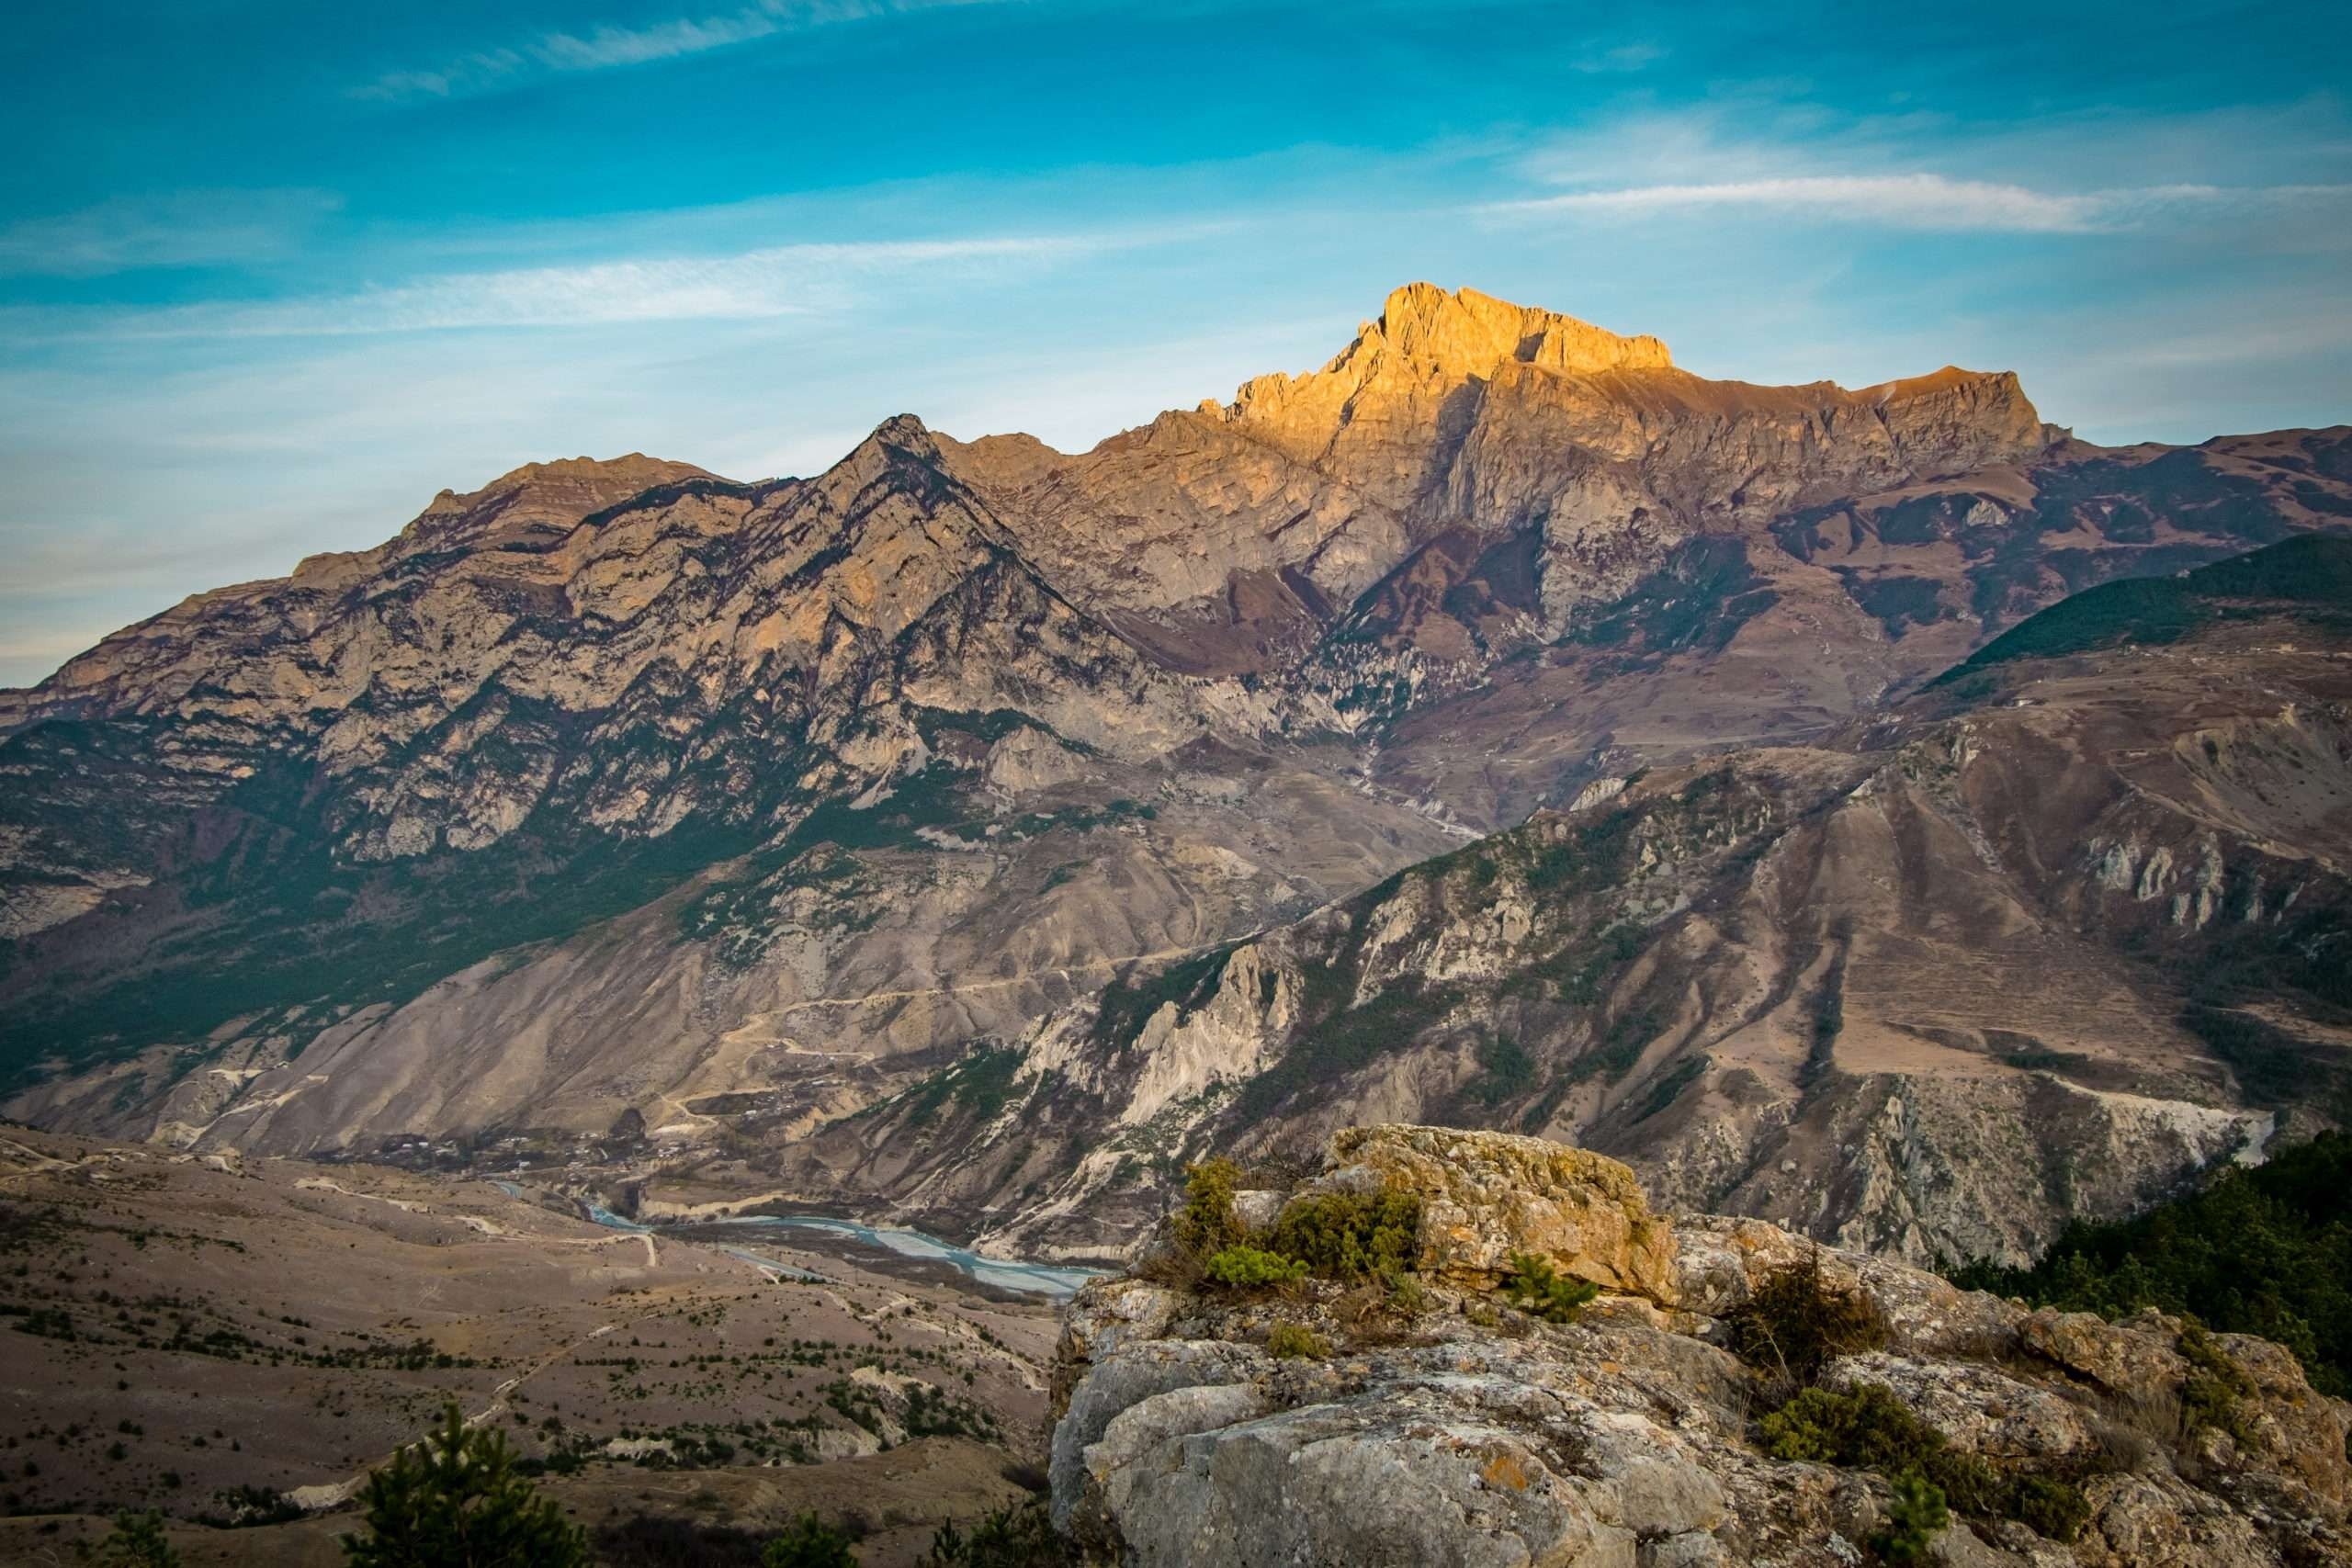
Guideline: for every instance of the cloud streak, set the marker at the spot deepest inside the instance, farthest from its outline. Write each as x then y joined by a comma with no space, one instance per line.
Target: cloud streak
1926,202
608,47
765,284
188,227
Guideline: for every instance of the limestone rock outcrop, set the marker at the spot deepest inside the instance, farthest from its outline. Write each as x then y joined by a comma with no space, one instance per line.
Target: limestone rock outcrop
1454,1429
1487,1197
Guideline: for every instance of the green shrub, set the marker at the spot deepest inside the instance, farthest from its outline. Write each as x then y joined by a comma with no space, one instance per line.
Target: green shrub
1914,1516
1406,1295
1820,1427
1249,1267
2049,1506
1010,1538
456,1497
1868,1428
809,1542
1506,1071
1536,1287
137,1541
2216,1385
1207,1224
1288,1340
1794,1324
1350,1235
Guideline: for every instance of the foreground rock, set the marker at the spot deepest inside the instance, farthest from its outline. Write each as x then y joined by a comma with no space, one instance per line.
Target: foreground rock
1445,1427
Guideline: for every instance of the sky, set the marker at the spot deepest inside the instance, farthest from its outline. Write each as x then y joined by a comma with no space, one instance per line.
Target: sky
273,273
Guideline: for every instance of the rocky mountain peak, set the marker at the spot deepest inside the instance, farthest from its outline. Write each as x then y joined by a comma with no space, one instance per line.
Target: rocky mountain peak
901,440
561,482
1426,337
1472,333
542,498
906,432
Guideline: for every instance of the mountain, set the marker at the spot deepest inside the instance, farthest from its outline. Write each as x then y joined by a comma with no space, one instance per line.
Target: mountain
890,837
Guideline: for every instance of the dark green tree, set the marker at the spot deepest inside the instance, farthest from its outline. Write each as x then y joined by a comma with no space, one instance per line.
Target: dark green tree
809,1542
137,1541
457,1501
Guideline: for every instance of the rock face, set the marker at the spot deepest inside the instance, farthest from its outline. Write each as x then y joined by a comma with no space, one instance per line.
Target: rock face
1485,1197
1464,1432
972,828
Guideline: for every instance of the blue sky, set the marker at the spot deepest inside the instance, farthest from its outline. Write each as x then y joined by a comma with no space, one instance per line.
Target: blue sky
272,274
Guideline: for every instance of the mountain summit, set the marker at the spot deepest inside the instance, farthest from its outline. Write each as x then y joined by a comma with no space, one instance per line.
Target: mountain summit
1425,334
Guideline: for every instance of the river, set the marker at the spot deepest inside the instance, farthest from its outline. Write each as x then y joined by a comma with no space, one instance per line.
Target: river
1054,1281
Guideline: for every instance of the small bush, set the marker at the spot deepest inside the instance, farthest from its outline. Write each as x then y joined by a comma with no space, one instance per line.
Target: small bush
1914,1515
1249,1267
1350,1236
2049,1506
1207,1224
1818,1426
1405,1296
1869,1428
1288,1340
1010,1538
1536,1287
1794,1324
2216,1385
809,1542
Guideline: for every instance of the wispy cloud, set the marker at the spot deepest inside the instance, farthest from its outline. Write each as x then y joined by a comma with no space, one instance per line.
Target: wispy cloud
775,281
1624,57
605,47
1903,200
188,227
1915,171
1928,201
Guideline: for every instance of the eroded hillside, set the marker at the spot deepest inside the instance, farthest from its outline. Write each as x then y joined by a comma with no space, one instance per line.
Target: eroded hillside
2038,943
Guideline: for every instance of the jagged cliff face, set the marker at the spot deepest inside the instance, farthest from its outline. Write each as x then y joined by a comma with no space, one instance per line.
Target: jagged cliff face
799,824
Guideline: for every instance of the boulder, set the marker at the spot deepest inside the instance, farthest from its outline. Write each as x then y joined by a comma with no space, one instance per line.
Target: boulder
1487,1195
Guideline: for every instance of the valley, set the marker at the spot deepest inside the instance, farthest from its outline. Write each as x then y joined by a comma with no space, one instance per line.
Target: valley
236,1342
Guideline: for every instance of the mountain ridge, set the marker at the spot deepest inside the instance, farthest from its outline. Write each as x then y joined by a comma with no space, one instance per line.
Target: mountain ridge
746,811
